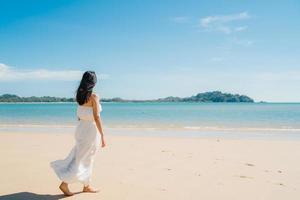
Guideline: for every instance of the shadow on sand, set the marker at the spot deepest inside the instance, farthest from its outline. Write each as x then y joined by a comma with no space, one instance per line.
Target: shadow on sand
31,196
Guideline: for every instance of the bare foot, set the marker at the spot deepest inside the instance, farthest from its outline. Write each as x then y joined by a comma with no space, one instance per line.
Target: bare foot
64,188
89,189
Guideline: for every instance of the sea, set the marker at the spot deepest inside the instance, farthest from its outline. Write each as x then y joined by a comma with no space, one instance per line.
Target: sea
275,120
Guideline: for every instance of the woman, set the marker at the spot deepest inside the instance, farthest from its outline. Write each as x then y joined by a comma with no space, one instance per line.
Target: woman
77,167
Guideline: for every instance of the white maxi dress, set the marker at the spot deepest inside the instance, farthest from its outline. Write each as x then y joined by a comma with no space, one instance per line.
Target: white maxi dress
77,166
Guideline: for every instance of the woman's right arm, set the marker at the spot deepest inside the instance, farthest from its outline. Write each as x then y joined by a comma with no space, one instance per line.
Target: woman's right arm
97,118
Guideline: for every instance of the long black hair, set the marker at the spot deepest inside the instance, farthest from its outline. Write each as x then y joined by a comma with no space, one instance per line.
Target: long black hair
85,89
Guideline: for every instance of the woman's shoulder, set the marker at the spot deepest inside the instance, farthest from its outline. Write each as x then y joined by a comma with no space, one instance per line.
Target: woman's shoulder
96,100
95,96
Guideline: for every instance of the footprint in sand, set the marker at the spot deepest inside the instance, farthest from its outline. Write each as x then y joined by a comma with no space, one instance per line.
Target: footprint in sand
242,176
219,159
249,164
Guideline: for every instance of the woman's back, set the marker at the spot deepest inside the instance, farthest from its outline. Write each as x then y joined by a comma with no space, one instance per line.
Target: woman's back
86,112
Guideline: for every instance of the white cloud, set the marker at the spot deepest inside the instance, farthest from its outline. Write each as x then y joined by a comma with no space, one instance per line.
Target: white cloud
224,29
8,73
240,28
180,19
206,21
242,42
221,23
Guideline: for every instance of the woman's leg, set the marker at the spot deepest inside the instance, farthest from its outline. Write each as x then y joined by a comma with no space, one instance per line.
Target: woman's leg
65,189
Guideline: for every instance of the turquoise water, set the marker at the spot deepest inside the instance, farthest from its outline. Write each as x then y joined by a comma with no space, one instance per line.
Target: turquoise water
174,116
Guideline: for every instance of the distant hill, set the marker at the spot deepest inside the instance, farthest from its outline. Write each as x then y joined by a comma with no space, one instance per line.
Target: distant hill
15,98
215,96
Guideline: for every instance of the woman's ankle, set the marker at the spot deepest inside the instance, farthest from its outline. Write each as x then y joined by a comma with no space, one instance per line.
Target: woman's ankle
64,183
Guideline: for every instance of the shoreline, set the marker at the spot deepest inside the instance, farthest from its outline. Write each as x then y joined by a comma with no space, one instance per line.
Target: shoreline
186,134
185,102
158,127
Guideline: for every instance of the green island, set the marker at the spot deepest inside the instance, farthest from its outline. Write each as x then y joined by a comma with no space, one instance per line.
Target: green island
214,96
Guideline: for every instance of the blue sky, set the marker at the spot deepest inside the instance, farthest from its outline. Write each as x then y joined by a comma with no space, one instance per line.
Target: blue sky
152,48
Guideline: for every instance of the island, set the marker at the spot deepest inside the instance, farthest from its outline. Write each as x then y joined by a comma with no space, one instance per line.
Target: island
214,96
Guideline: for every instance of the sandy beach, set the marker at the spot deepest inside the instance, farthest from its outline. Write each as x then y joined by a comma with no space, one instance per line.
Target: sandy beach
163,168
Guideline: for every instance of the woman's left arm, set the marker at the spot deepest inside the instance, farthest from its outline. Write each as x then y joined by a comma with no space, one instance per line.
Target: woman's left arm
97,118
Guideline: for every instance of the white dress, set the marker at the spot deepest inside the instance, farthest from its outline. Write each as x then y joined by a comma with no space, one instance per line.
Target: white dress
77,166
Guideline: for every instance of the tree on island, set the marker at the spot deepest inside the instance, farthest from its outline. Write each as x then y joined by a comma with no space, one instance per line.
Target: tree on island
14,98
215,96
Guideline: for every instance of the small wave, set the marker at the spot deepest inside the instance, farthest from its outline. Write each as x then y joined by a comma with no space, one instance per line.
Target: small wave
157,127
240,128
35,126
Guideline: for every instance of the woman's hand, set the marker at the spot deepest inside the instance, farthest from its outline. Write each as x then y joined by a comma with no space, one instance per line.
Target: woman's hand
103,143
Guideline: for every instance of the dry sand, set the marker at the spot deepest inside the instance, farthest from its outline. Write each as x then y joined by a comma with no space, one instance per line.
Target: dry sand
156,168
